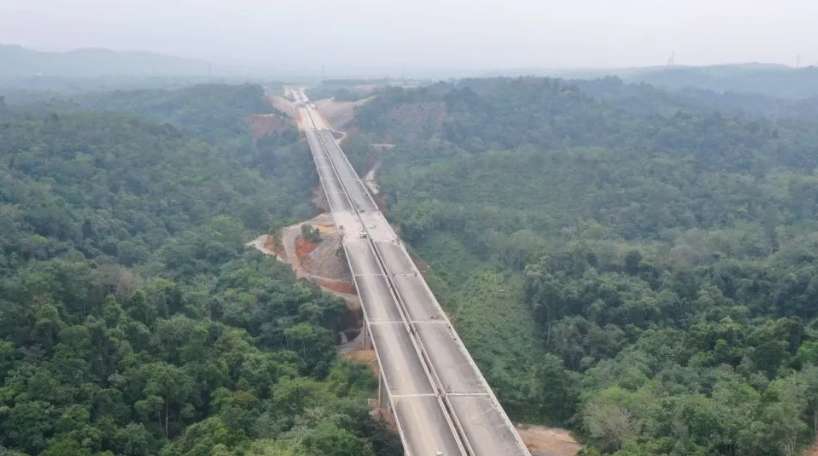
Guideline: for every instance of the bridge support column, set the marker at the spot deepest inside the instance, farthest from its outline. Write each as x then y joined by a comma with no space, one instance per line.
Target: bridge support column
365,340
382,402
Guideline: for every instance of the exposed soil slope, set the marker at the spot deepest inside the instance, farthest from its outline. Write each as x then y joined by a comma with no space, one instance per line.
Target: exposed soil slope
546,441
339,113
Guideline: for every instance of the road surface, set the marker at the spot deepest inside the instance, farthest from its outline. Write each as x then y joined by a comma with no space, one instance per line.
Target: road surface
441,402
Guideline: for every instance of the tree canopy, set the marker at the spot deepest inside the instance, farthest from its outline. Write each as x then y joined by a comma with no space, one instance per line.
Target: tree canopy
133,321
635,264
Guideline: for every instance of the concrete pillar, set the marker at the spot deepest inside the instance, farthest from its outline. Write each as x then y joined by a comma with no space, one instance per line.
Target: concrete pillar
365,340
382,402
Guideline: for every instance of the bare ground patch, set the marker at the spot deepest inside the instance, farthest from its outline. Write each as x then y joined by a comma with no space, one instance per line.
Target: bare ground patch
319,262
546,441
371,181
303,247
282,104
267,245
339,113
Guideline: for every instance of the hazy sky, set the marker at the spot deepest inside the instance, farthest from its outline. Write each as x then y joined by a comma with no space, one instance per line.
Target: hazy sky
370,35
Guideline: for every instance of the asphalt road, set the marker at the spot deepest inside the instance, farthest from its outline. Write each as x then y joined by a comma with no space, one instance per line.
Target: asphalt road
442,404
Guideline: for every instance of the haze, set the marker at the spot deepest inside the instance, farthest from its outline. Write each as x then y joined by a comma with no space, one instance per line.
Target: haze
370,36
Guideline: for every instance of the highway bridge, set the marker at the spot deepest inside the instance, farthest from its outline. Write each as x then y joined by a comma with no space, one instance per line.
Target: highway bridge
441,402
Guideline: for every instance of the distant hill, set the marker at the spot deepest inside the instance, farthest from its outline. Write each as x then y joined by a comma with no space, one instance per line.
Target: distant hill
18,62
772,80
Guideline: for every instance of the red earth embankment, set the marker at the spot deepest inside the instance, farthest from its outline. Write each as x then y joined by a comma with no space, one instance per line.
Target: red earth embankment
303,247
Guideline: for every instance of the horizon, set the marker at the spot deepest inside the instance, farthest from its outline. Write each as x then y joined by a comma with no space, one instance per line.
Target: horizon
371,37
221,69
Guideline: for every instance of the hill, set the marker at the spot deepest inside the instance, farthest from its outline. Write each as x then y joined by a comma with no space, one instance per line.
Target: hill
768,80
772,80
133,320
19,62
644,274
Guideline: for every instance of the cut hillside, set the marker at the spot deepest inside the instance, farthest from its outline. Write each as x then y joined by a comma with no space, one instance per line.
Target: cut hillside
339,113
282,104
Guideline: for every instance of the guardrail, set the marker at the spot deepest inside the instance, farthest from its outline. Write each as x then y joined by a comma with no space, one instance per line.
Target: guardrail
456,427
431,376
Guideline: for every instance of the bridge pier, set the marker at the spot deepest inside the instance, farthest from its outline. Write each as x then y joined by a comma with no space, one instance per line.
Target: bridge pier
442,403
382,402
384,405
366,340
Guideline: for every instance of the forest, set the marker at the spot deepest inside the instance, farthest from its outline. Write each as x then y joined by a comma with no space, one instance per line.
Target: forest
636,264
133,321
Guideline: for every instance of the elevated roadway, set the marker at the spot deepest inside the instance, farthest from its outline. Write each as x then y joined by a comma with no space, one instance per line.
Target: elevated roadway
441,401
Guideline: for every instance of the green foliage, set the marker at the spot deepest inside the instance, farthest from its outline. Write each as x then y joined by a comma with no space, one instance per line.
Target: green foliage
190,108
310,233
116,187
133,321
653,258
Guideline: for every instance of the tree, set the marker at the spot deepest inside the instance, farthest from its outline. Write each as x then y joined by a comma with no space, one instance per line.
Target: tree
310,233
134,440
558,395
609,424
166,391
29,424
313,344
633,260
132,319
329,440
786,428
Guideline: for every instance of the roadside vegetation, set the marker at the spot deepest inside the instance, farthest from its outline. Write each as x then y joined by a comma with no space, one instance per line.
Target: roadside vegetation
643,273
132,319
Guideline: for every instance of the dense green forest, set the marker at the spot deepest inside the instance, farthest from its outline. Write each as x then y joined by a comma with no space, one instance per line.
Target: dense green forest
214,111
133,321
638,265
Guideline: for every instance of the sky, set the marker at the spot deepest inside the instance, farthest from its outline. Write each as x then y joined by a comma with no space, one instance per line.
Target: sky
347,37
